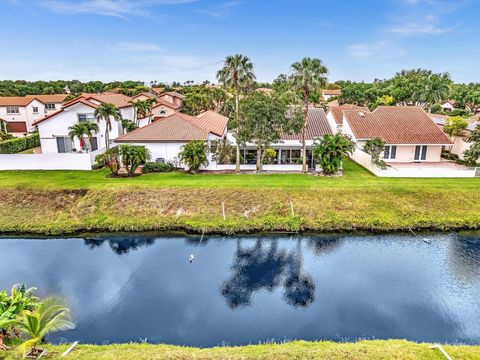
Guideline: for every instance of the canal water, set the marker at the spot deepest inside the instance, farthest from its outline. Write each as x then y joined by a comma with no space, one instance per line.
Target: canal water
250,289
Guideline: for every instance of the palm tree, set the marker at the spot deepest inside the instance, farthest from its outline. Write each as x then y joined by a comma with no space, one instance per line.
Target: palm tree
91,128
107,112
50,315
135,105
237,73
308,76
436,90
194,155
331,149
78,130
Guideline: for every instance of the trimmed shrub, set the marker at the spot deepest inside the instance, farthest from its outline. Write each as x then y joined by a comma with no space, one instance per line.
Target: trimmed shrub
17,145
154,167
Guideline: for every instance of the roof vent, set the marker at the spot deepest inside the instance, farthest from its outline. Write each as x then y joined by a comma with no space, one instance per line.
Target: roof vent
361,113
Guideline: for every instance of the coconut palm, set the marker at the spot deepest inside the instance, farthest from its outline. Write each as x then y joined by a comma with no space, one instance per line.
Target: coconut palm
308,76
107,112
135,105
237,74
49,316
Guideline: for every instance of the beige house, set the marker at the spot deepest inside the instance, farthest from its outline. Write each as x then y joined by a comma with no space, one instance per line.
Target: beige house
410,135
327,94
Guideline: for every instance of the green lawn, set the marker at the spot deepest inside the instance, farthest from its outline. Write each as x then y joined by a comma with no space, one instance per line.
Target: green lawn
363,350
68,201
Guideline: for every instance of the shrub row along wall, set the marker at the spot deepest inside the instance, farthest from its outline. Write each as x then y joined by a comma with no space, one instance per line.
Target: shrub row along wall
17,145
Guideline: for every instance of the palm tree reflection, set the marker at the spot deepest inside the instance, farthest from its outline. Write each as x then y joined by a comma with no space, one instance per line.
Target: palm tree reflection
266,266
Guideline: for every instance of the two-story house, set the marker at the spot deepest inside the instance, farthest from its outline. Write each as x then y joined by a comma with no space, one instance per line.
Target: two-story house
20,112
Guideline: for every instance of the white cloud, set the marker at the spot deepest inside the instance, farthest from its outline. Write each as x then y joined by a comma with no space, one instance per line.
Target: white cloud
428,25
136,47
116,8
378,49
219,10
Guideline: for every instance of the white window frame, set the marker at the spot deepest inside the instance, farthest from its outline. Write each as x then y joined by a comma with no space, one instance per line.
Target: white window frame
387,154
88,117
35,109
50,106
13,110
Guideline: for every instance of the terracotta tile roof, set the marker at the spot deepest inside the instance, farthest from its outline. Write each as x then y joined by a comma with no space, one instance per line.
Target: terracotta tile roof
337,111
172,128
119,100
25,100
164,102
147,94
317,126
211,121
174,94
396,125
333,92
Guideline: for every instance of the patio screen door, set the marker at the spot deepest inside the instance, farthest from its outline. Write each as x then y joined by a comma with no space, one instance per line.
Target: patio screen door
420,152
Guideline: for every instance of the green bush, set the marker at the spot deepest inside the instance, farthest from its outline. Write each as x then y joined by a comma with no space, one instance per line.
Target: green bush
154,167
17,145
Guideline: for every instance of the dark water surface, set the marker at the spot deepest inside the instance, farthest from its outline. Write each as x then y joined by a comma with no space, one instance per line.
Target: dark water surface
249,289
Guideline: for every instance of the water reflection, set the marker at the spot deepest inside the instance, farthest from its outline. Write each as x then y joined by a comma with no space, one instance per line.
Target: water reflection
120,245
254,288
266,267
464,258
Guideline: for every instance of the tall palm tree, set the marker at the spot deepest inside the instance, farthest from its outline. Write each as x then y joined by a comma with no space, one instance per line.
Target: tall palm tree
49,316
135,105
237,73
149,104
78,130
107,112
308,76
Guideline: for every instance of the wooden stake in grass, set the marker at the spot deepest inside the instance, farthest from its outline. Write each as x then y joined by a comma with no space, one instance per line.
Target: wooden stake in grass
291,208
223,211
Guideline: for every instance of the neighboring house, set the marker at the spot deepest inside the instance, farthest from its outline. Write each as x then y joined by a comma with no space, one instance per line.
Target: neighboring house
459,142
409,133
165,137
172,97
289,148
327,94
164,108
53,128
144,96
448,106
335,115
20,112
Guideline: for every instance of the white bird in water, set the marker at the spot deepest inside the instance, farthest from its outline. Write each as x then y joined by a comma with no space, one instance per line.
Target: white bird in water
426,240
190,258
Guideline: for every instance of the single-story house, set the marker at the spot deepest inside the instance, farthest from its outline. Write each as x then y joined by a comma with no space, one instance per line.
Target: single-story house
327,94
166,136
20,112
289,147
53,128
410,135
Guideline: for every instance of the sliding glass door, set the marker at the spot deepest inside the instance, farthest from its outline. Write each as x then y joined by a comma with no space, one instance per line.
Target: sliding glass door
420,152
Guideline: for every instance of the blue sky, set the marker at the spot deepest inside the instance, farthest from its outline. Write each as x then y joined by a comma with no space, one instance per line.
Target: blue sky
167,40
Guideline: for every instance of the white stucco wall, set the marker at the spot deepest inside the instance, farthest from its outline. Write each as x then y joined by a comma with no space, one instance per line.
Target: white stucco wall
58,126
406,153
333,125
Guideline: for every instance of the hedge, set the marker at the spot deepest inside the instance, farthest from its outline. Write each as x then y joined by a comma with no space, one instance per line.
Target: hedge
152,167
17,145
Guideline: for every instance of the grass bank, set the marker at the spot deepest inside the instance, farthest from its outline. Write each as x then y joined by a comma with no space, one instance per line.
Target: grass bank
56,202
371,349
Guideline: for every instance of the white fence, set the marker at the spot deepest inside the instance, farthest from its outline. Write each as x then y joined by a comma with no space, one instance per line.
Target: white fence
78,161
365,160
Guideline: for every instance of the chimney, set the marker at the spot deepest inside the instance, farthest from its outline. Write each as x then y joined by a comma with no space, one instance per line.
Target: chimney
361,114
